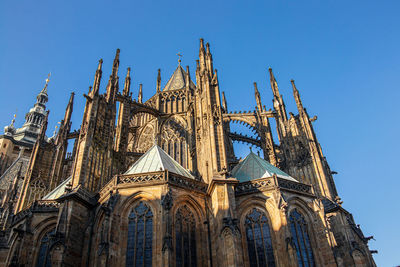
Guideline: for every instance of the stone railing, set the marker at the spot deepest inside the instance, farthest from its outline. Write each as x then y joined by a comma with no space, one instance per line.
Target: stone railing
37,206
270,183
295,186
152,178
255,186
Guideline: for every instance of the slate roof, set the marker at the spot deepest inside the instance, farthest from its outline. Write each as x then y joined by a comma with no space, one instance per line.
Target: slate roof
177,80
155,160
58,191
253,167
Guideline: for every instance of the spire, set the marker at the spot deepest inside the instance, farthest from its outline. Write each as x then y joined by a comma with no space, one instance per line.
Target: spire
202,55
297,98
209,60
116,64
224,104
44,90
69,109
140,96
279,105
274,84
159,81
258,98
42,97
112,87
97,79
127,85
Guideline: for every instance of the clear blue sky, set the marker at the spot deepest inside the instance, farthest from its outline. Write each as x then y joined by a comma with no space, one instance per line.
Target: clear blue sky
344,56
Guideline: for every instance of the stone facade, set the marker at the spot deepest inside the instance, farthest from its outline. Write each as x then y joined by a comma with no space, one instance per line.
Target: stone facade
192,209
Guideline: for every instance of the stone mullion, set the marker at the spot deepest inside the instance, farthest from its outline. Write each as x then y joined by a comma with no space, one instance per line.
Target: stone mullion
255,243
303,230
298,241
263,242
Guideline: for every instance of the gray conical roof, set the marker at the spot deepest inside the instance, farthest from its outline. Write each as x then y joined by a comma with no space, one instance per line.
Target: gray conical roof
253,167
178,80
155,160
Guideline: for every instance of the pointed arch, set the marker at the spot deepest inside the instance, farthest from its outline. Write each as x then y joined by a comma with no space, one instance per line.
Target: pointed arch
139,251
301,239
43,258
185,237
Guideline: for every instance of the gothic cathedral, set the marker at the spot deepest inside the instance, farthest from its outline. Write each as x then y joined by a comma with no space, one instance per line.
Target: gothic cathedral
157,182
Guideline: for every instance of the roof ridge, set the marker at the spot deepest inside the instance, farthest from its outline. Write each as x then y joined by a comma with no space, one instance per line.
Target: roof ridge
159,157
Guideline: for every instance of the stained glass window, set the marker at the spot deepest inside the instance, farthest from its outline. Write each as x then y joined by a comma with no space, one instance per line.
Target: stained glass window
301,239
44,257
140,236
185,238
259,243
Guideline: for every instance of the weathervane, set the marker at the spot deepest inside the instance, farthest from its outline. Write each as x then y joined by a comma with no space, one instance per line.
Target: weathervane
179,57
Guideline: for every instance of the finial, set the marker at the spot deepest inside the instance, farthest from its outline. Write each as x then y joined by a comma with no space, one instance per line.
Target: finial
201,43
208,48
159,80
100,64
55,130
140,96
179,58
48,78
13,120
128,74
293,85
251,150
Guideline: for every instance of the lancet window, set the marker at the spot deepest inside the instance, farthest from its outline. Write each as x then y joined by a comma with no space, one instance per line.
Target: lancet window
301,239
140,236
185,238
173,141
258,237
44,257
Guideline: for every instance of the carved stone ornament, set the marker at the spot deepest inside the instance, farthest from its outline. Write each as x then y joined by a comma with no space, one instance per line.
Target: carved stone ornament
167,201
230,223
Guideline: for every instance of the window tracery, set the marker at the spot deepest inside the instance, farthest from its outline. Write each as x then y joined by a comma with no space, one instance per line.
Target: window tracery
140,236
173,141
185,238
44,257
258,237
301,239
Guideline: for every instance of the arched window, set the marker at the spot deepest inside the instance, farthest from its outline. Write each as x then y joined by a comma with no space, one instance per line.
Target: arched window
301,239
258,236
44,258
140,236
185,238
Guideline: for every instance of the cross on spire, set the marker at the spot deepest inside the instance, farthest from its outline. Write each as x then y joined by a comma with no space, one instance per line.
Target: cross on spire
179,58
